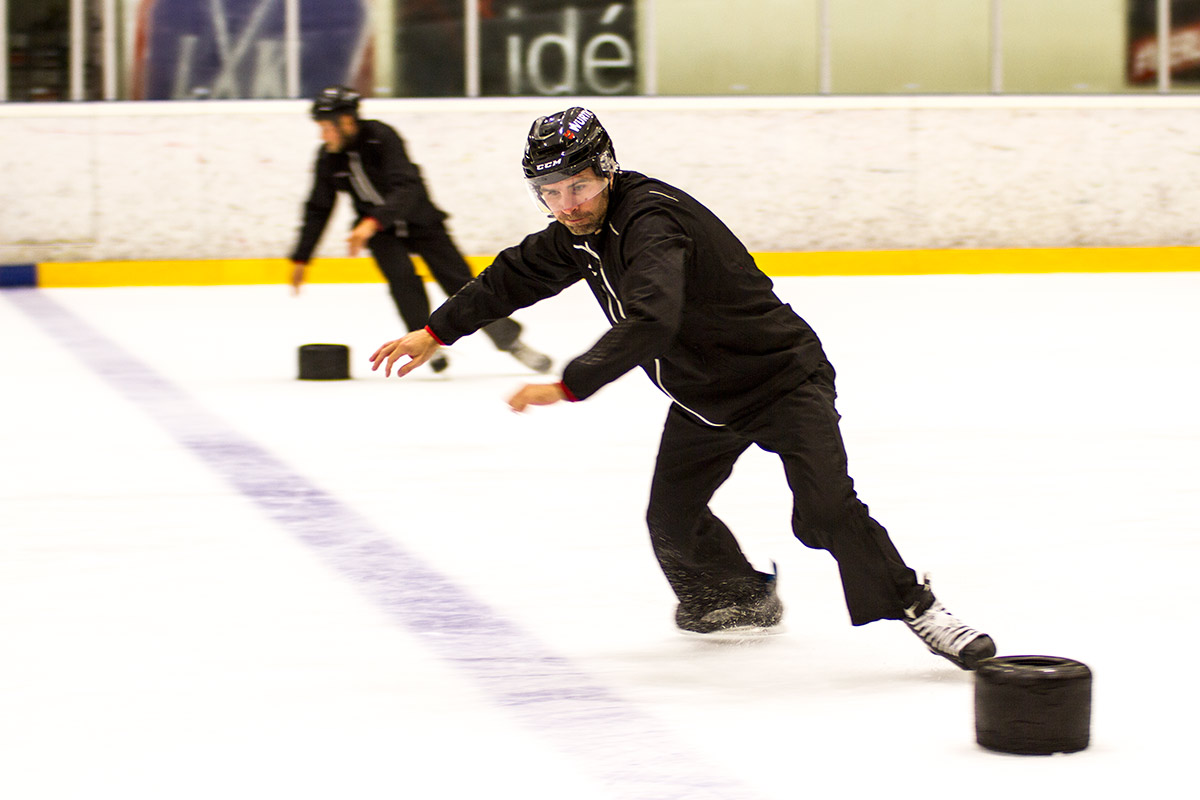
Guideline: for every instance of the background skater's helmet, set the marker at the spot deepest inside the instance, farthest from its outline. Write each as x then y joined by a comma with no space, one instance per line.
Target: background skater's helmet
335,101
565,144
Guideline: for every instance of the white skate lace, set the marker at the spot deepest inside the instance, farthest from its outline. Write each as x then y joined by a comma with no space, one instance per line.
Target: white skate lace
942,631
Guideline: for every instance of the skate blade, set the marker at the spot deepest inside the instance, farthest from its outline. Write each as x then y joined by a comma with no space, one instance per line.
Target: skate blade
736,635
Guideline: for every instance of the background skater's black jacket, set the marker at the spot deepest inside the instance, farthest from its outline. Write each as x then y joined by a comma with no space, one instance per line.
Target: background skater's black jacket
374,169
686,301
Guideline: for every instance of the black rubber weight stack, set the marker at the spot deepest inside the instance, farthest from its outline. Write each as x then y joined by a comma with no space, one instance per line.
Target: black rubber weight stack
1033,705
324,362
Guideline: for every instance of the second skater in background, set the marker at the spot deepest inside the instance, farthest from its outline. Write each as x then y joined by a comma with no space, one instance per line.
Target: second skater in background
394,216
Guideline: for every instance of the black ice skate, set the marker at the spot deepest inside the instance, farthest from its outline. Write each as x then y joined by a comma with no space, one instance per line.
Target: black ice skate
538,362
945,634
764,611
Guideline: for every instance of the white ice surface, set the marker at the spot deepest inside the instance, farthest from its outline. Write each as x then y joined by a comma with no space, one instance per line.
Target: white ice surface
1032,441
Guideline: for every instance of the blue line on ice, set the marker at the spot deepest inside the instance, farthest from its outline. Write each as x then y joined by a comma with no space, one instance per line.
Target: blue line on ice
622,747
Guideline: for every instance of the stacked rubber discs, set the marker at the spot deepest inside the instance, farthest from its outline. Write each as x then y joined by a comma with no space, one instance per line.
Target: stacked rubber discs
1033,705
324,362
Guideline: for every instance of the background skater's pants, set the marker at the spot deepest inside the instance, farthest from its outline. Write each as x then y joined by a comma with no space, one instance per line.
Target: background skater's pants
434,245
699,554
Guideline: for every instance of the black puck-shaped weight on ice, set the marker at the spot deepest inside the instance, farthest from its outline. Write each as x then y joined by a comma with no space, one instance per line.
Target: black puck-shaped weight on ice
324,362
1033,705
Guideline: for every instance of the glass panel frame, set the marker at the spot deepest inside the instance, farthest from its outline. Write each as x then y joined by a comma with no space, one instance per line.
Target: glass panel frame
100,49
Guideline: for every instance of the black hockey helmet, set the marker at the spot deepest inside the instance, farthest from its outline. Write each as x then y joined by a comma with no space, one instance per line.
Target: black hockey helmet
563,145
566,143
333,101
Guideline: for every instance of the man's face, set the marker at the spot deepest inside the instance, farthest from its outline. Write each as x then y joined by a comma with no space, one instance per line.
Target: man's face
579,202
337,132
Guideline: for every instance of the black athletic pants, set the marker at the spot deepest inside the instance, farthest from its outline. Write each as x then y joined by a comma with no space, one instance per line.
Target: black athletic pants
700,556
434,245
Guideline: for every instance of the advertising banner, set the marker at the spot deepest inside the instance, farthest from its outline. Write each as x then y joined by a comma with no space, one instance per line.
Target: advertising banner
1184,42
236,48
527,47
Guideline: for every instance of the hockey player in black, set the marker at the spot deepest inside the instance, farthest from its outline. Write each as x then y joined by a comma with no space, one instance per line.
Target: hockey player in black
394,216
689,306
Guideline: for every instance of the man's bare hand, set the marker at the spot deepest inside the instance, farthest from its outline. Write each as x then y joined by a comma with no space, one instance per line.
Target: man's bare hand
297,278
361,233
419,346
536,394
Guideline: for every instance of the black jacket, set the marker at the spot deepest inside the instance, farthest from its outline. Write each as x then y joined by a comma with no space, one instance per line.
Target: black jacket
374,169
686,301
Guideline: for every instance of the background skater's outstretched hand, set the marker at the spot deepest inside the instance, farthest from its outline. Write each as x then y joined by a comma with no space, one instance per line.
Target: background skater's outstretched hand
419,346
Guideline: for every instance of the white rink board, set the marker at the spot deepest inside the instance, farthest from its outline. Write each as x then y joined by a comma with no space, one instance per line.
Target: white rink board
226,179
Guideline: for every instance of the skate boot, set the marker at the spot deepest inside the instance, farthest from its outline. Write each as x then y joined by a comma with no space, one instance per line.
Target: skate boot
945,634
439,363
538,362
763,611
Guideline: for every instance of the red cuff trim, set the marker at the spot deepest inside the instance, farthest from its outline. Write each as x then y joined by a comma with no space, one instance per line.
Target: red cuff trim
434,335
570,395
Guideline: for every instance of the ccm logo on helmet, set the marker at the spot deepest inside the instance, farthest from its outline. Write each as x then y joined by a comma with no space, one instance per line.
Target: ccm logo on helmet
548,165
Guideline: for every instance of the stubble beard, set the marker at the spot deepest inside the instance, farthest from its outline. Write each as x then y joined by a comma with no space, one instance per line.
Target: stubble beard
585,228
